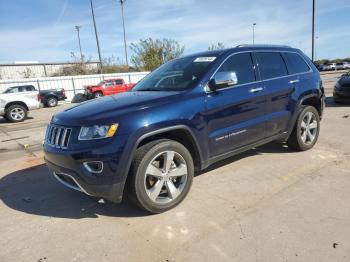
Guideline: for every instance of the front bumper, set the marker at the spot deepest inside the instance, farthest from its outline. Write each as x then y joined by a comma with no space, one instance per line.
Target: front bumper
341,96
74,180
69,168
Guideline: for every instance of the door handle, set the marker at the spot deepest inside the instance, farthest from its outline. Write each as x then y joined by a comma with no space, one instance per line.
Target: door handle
294,81
255,90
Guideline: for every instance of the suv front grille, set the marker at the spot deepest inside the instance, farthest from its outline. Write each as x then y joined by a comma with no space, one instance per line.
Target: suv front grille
58,136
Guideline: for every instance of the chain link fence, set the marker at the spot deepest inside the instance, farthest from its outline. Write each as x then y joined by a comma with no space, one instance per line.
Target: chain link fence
71,84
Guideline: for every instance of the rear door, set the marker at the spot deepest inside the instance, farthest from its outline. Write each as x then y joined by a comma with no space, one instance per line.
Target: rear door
279,87
235,115
119,86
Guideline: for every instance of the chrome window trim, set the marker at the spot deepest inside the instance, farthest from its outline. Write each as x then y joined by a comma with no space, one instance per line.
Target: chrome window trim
208,91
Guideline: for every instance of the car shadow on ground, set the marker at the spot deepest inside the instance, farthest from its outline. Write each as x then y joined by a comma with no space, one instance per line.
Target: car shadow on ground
35,191
5,121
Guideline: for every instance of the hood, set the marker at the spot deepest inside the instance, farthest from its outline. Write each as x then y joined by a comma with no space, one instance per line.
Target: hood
106,109
344,81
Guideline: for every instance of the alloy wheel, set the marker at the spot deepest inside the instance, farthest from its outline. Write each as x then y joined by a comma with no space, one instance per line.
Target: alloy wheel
166,177
17,113
309,128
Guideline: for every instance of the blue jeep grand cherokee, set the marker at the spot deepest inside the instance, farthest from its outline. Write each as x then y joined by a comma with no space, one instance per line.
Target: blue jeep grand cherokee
181,118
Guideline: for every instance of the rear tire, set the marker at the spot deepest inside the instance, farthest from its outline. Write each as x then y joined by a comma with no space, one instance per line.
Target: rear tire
306,129
52,102
161,175
16,113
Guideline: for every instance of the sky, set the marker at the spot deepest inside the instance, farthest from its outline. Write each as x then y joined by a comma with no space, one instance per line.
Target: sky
43,30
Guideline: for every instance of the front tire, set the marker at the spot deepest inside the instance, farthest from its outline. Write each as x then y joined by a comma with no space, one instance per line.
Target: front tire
98,94
306,130
161,175
16,113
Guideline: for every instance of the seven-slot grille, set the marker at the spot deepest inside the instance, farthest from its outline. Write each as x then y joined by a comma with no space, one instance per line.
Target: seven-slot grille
57,136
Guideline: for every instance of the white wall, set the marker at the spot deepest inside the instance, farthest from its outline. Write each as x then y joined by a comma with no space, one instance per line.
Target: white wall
72,84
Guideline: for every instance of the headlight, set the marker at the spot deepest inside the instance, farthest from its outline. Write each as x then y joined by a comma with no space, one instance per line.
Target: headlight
337,85
97,131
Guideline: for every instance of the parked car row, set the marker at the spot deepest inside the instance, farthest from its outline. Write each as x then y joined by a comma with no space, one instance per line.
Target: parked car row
16,101
334,66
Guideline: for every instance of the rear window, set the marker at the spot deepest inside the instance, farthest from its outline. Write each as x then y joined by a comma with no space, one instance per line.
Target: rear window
296,64
271,64
118,82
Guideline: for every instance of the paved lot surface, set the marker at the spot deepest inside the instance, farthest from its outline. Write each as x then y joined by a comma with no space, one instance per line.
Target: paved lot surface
268,204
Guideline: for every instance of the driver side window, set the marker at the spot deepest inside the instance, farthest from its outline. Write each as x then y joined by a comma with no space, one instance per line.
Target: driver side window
109,83
242,65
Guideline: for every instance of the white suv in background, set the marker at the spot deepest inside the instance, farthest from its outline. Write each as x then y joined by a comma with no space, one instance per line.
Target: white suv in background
342,65
15,106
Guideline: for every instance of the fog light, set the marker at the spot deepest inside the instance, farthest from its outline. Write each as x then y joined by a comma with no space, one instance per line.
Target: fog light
95,167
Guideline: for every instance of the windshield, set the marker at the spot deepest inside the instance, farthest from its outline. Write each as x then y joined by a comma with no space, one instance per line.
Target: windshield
176,75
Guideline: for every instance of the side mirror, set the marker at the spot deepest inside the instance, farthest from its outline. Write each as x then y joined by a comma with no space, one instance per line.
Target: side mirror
223,79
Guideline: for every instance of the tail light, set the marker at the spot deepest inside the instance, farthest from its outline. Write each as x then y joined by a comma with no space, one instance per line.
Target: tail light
39,97
63,91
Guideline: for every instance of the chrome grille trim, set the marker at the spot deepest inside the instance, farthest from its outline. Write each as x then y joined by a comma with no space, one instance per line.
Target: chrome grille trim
57,136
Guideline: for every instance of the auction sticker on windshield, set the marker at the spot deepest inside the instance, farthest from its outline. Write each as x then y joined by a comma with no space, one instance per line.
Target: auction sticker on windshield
205,59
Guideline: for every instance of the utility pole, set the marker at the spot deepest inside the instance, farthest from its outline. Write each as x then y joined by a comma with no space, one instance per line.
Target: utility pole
316,39
125,47
81,53
97,42
254,33
313,31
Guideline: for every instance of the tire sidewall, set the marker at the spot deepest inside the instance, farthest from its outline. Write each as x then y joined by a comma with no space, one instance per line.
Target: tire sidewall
98,95
305,110
52,99
141,194
8,113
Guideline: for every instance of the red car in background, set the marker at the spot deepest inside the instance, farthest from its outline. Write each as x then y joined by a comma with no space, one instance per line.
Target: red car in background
107,87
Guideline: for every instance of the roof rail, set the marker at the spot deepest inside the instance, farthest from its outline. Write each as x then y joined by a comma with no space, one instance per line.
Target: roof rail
261,45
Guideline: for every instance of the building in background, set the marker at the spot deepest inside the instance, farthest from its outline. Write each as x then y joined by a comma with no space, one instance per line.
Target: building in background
34,69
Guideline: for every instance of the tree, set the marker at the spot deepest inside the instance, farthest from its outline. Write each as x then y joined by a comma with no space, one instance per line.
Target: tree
217,46
27,73
80,66
150,53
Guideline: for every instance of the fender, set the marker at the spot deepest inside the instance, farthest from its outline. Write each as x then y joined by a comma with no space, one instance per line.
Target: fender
298,110
134,145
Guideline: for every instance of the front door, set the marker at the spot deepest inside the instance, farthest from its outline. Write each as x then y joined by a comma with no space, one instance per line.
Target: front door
235,115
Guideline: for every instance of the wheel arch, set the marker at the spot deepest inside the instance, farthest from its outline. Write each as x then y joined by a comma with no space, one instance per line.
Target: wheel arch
179,133
307,100
21,103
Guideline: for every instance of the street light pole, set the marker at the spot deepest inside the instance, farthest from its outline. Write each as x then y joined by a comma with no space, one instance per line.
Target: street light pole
97,42
313,31
125,47
254,33
81,53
